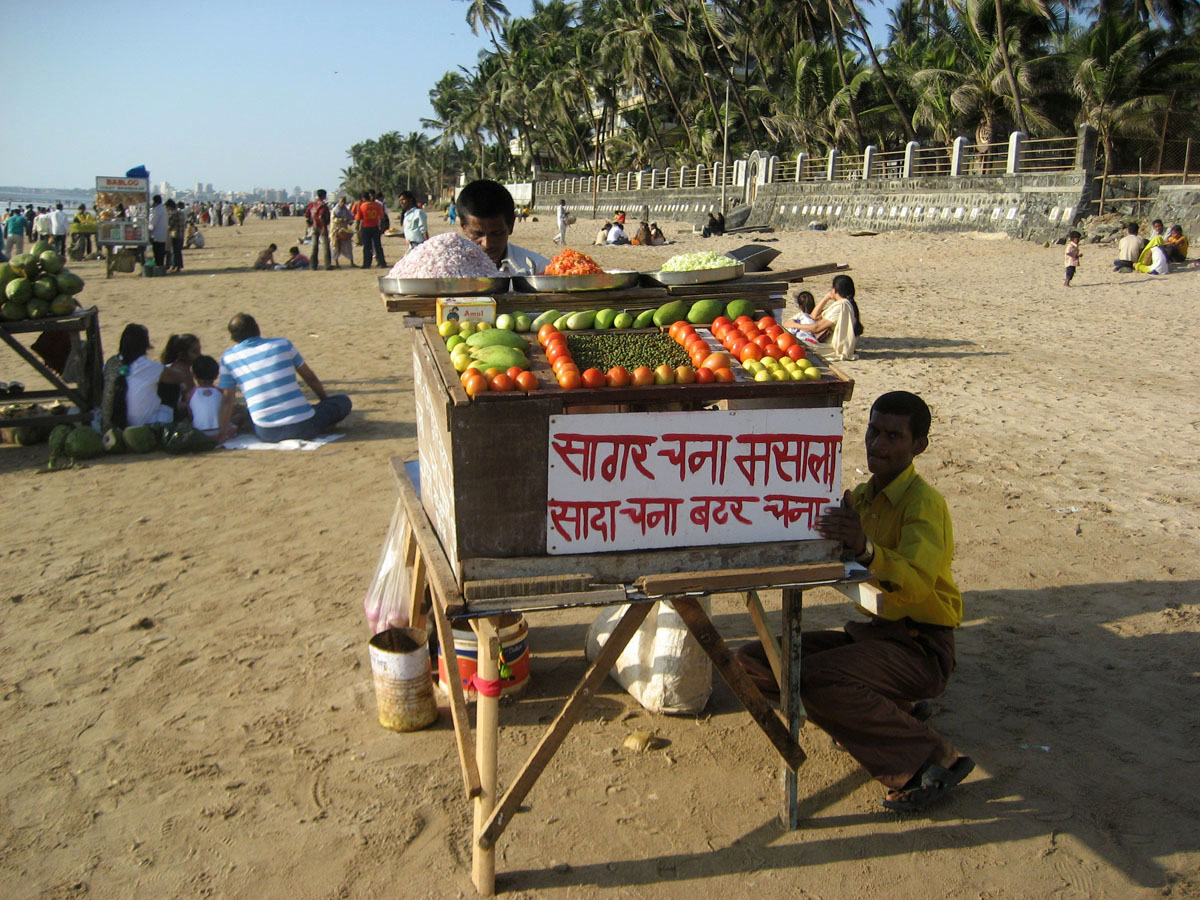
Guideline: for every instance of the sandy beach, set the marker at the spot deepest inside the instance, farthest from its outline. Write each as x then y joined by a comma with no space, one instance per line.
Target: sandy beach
187,698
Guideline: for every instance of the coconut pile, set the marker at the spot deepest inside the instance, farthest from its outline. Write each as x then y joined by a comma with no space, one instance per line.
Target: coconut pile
447,255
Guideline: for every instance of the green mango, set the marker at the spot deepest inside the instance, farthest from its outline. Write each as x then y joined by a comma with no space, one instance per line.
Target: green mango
582,321
645,319
545,318
735,308
704,311
497,337
623,320
670,313
561,322
605,318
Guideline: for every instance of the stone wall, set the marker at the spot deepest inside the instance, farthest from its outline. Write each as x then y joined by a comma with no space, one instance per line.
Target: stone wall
1035,207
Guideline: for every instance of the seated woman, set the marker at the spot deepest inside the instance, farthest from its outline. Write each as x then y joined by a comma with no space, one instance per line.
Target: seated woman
602,234
657,238
642,238
178,354
835,318
1176,245
131,382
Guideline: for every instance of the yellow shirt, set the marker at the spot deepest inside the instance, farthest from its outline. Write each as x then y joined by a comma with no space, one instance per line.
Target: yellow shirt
914,544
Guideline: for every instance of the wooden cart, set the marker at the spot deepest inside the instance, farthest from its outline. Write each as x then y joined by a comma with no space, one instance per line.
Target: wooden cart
495,455
83,329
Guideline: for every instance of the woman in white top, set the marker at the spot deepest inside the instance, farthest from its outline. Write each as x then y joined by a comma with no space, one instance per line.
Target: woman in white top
131,382
836,318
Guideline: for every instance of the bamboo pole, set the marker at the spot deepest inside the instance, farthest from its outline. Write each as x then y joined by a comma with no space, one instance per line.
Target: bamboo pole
1187,158
487,726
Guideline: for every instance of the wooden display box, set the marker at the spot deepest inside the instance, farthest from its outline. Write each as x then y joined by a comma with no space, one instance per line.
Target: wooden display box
483,469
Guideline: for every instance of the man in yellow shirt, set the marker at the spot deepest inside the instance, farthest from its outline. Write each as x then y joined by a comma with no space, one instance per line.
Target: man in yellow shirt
862,685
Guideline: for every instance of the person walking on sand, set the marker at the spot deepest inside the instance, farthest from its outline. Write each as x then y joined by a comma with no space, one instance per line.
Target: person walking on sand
866,685
414,220
318,216
1072,256
563,218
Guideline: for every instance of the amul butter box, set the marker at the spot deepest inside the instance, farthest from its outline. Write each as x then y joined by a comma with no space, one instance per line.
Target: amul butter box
466,309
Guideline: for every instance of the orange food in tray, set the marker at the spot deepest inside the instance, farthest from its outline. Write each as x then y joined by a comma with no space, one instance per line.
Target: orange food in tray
572,262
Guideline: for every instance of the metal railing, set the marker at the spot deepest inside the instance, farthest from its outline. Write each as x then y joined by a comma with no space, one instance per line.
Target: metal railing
932,161
1048,154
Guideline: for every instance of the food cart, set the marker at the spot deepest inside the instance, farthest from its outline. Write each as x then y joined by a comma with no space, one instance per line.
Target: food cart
123,240
614,495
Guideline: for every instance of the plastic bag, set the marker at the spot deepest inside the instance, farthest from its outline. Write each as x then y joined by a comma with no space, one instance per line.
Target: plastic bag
385,603
662,666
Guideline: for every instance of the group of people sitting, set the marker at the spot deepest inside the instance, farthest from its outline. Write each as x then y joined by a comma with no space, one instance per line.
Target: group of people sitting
613,233
185,385
1153,256
834,319
295,260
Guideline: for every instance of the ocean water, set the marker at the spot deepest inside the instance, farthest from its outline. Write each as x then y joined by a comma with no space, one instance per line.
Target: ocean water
69,199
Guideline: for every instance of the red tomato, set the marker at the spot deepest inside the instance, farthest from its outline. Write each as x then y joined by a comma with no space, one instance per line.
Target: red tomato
527,381
685,329
719,331
544,333
618,376
774,352
691,341
642,376
685,375
716,361
750,351
594,378
568,381
723,375
785,340
673,331
490,374
740,321
556,351
721,321
773,330
565,364
796,351
503,382
699,353
765,322
736,345
764,341
476,384
513,372
705,376
467,373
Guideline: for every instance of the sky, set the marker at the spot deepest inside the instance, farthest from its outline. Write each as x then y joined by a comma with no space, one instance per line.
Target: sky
256,93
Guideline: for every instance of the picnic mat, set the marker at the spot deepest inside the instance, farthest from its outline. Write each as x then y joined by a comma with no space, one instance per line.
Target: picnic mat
250,442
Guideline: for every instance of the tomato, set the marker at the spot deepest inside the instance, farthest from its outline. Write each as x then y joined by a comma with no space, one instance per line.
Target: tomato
773,330
685,375
503,382
471,370
723,375
705,376
719,331
716,361
764,341
691,341
699,354
557,351
737,345
750,351
642,376
774,352
721,322
490,374
618,376
564,364
684,331
568,381
476,384
765,322
544,333
785,340
673,331
513,372
594,378
742,321
796,351
527,381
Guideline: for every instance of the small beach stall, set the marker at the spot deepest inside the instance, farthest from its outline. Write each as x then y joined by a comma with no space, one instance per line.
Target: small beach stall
123,239
605,490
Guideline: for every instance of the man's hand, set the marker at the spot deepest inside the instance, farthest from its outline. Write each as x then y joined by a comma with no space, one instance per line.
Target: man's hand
841,523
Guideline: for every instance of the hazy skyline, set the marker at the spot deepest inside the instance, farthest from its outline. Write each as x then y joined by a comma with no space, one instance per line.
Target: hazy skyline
267,95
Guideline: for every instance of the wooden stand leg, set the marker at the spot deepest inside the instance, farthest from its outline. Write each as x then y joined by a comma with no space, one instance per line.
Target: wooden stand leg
487,726
789,699
770,645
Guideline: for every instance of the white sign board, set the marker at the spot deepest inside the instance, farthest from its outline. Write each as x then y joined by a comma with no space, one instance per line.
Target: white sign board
119,184
637,481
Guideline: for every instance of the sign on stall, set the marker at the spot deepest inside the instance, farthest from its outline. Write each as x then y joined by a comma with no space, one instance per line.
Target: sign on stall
634,481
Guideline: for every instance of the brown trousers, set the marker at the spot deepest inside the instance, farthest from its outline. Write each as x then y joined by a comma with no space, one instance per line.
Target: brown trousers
858,684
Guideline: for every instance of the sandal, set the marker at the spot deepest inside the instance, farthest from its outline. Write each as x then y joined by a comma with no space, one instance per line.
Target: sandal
928,786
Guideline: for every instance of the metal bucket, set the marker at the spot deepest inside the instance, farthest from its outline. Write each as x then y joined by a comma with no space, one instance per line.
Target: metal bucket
403,686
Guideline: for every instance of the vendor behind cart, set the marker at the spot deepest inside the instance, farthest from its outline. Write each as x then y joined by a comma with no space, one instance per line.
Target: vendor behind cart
488,214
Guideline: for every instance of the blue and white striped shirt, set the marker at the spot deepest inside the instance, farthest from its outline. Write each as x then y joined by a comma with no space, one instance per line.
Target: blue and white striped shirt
265,370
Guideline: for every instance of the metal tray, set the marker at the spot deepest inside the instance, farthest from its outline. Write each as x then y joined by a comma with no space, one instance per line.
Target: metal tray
443,287
602,281
698,276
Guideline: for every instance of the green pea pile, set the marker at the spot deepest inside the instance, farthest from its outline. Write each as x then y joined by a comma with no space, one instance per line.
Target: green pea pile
603,351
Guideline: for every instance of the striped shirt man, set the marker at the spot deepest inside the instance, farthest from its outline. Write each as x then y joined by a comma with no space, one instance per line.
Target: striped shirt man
265,370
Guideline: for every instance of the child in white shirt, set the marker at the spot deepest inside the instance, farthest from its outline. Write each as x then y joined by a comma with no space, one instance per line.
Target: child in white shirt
204,401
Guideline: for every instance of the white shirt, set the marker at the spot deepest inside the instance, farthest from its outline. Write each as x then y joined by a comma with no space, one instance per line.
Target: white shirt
42,223
158,223
142,405
562,216
616,234
519,261
60,221
1159,264
205,404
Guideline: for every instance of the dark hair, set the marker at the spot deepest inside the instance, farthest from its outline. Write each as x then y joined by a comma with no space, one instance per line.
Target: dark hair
844,285
486,199
135,341
243,326
273,247
157,198
177,347
1132,227
1157,222
1073,235
321,193
294,250
903,403
410,195
205,368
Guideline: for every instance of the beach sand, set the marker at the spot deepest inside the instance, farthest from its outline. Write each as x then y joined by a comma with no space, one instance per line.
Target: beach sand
187,698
